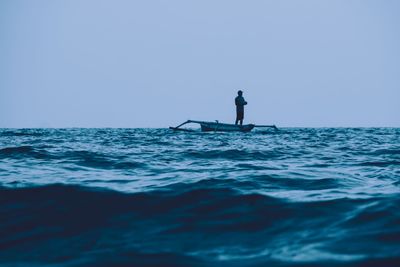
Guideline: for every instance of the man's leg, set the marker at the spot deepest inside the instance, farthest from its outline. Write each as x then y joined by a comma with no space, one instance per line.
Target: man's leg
239,117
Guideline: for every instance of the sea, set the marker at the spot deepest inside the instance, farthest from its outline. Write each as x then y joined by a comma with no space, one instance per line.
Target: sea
155,197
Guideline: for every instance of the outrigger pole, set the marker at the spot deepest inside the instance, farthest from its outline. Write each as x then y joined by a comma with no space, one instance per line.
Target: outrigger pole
180,129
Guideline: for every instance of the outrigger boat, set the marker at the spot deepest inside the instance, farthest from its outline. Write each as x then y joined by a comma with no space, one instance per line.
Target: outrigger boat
207,126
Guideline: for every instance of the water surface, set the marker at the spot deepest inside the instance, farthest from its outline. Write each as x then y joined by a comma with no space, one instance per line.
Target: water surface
153,197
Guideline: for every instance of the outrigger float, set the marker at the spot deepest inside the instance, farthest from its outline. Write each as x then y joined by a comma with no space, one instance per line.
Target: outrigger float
208,126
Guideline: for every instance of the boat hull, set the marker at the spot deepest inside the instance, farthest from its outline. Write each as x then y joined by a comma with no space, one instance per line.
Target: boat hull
225,127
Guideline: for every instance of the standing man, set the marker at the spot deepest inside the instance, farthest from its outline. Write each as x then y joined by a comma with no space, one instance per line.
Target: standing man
240,102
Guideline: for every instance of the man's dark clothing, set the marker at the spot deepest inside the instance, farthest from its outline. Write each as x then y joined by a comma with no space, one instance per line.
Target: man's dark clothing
240,102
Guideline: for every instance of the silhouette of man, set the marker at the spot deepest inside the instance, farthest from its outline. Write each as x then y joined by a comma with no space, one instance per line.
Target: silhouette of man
240,102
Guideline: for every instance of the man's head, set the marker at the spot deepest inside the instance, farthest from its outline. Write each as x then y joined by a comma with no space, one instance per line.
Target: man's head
240,93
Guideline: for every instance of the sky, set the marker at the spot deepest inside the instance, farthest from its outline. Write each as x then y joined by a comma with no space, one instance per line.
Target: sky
127,63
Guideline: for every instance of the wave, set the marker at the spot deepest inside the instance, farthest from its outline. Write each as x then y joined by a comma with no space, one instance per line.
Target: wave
24,152
379,163
27,132
296,183
16,150
58,223
98,160
80,158
233,154
386,152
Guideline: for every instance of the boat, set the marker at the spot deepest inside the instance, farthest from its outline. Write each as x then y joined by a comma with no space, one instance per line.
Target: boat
208,126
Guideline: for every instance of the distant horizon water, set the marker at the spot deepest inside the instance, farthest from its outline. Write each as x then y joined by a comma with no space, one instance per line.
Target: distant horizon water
195,127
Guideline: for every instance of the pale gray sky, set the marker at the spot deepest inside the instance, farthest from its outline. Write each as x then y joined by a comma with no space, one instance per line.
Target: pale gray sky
126,63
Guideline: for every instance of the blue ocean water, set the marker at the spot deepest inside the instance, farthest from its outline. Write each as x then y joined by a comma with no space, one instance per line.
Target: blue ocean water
153,197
